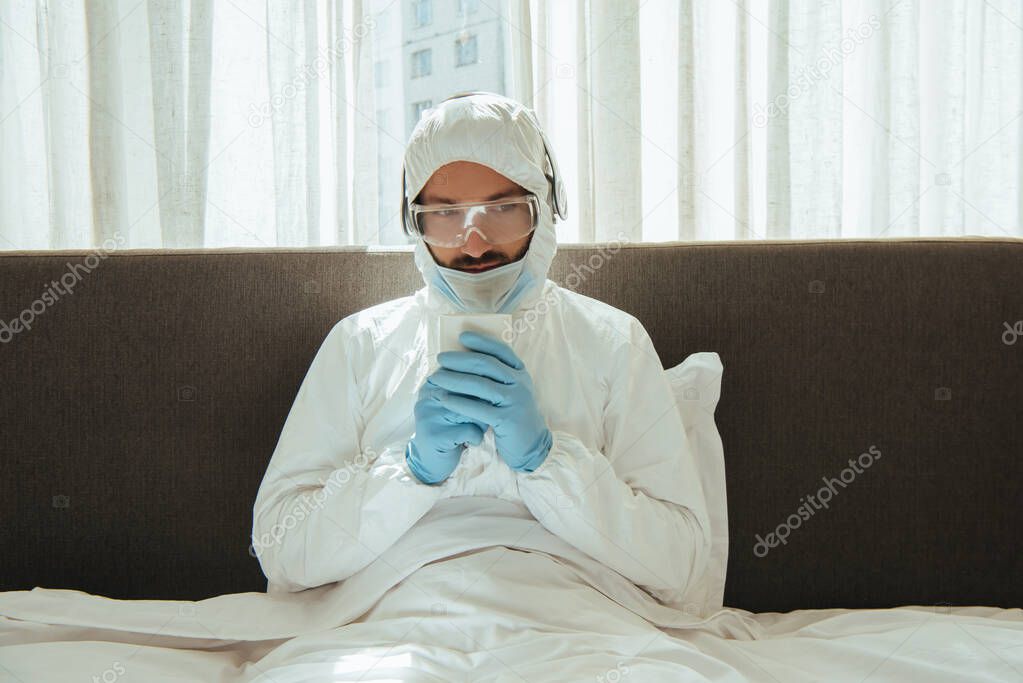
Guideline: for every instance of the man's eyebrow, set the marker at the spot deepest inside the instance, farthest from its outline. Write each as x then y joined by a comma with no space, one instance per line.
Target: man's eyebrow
500,195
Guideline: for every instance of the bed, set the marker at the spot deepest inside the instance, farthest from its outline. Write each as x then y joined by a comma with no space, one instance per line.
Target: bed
133,453
517,611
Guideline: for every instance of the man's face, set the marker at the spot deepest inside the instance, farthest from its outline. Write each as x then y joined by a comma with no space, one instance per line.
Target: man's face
465,181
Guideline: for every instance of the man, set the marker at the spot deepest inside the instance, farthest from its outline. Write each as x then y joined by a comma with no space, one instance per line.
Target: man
570,417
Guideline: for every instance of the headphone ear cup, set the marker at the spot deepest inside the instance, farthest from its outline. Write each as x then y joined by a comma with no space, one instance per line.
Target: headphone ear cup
407,224
560,196
557,185
404,201
404,214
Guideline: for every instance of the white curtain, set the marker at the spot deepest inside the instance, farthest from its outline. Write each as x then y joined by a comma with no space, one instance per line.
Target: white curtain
177,123
192,123
749,119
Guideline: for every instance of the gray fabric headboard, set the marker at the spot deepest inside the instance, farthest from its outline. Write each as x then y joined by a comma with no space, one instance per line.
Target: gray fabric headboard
140,410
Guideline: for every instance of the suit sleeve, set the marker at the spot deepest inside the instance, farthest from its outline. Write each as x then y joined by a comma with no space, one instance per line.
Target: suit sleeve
326,508
637,507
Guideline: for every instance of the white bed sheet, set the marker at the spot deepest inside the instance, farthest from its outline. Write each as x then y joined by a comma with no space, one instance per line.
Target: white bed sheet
511,608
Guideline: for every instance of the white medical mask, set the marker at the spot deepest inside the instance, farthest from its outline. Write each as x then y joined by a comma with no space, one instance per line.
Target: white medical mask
493,291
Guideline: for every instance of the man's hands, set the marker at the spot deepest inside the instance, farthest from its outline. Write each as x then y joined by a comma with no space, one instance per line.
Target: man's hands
434,451
489,385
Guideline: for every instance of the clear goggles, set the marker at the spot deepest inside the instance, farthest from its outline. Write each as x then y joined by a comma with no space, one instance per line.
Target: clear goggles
498,222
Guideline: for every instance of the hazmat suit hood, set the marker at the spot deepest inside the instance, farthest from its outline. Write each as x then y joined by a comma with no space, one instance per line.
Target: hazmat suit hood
495,131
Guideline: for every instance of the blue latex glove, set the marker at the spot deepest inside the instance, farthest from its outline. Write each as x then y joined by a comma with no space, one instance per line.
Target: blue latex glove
490,384
435,449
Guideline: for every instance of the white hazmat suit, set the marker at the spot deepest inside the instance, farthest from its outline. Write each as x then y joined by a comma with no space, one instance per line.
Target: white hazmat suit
618,497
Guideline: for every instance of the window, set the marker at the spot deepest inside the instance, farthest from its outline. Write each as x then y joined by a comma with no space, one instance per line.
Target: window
422,63
468,6
380,73
423,12
466,50
386,172
417,110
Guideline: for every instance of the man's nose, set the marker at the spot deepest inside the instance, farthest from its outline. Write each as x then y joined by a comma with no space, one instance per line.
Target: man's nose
475,245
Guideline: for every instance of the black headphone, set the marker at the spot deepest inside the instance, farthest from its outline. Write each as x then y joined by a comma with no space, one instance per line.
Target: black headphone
554,178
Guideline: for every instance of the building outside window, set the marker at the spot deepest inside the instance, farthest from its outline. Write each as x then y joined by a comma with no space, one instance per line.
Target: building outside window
422,10
383,21
466,50
422,63
468,6
417,110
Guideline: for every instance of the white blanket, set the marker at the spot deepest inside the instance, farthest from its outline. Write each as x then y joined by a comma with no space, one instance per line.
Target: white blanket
503,604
